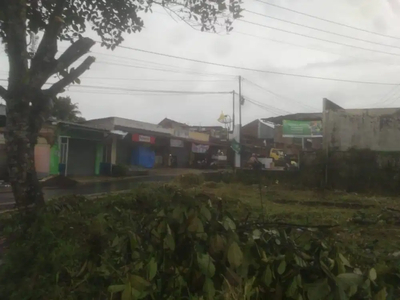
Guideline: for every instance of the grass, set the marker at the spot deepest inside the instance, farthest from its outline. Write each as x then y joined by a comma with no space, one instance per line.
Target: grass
364,222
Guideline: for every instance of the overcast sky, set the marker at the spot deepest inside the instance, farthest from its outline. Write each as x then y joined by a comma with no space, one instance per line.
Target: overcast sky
247,46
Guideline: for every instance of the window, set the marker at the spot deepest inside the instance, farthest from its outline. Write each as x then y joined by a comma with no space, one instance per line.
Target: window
63,150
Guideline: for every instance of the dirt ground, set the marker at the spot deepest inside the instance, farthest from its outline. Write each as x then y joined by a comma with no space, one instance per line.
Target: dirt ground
368,224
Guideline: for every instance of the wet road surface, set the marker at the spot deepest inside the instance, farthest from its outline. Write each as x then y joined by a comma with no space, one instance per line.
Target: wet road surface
7,199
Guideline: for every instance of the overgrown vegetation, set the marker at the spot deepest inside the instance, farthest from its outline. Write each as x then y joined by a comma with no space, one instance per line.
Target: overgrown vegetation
161,242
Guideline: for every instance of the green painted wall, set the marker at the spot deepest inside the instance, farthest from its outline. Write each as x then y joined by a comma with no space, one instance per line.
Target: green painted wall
99,158
54,160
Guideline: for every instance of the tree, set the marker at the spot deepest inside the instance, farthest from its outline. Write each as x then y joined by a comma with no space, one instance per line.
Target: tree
28,104
64,110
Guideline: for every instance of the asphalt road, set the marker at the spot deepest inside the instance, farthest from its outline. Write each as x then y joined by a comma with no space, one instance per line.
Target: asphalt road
7,199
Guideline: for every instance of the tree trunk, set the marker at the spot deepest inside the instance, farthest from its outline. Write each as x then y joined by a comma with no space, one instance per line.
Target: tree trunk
21,138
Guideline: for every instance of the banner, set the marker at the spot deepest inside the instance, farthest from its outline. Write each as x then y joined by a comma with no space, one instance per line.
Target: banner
235,146
302,129
143,138
199,148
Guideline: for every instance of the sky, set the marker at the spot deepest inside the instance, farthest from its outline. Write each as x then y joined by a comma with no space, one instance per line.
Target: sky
108,88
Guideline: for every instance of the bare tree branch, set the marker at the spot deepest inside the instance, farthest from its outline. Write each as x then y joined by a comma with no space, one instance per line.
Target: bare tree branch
67,80
44,57
74,52
3,93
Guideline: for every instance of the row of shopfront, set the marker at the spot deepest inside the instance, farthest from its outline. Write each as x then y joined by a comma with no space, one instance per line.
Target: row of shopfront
96,147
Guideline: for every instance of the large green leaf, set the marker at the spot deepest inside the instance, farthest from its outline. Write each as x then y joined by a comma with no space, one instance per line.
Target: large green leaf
282,267
196,226
152,268
116,288
235,255
268,276
139,283
205,264
205,213
217,243
381,295
347,280
318,290
372,274
169,242
229,224
209,289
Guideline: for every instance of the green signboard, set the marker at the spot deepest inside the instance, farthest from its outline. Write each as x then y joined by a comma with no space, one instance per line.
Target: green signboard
235,146
302,129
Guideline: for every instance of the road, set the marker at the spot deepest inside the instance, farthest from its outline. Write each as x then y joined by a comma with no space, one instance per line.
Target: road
7,199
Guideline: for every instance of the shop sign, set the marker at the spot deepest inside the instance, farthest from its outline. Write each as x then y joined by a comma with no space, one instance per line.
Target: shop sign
143,138
302,129
176,143
199,148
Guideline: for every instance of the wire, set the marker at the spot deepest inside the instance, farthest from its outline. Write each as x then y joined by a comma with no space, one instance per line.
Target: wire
322,30
300,46
156,79
318,39
143,90
159,69
256,70
266,106
277,95
329,21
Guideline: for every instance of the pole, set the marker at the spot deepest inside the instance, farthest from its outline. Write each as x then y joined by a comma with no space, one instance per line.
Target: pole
240,119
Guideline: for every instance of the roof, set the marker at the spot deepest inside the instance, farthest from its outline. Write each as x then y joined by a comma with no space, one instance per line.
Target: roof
208,127
78,125
174,122
294,117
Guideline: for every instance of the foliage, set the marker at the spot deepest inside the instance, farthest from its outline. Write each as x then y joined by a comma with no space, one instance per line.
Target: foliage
110,18
120,170
160,242
64,110
188,180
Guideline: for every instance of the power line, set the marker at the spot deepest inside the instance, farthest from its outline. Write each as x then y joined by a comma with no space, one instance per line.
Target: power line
145,91
329,21
296,45
160,79
318,39
321,30
269,108
277,95
256,70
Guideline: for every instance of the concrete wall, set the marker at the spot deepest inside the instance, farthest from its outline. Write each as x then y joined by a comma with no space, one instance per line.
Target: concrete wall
374,129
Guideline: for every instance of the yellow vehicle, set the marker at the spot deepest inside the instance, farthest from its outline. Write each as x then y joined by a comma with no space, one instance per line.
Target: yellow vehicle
278,156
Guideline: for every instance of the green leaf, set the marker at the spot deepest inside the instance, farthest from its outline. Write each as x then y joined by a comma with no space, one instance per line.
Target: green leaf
205,213
372,274
282,267
152,268
381,295
344,260
116,288
291,292
268,276
318,290
217,244
169,242
235,255
347,280
256,234
209,289
196,226
206,265
127,293
229,224
138,283
78,81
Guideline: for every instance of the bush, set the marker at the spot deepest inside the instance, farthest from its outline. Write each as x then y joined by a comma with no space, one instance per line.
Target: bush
120,170
189,180
163,243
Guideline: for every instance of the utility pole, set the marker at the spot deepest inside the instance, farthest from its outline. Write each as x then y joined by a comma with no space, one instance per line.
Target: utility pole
240,120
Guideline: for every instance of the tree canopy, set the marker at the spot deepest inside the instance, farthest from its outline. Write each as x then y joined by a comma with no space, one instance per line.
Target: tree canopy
64,110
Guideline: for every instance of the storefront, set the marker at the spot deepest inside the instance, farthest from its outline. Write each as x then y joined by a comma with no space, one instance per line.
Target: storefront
143,150
179,154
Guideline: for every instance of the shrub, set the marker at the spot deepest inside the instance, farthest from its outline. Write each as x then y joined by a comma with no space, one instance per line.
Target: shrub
188,180
120,170
162,243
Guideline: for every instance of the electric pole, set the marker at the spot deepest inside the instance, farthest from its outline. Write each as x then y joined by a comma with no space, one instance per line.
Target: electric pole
240,120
